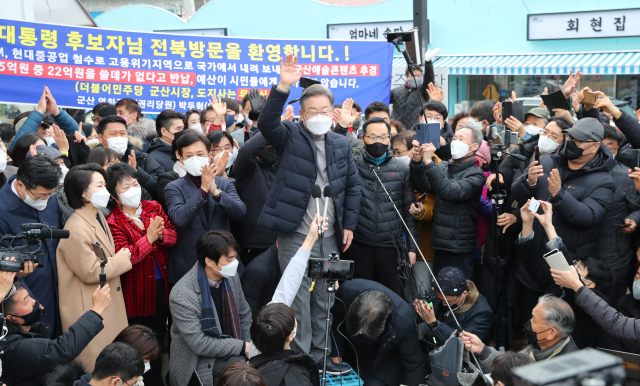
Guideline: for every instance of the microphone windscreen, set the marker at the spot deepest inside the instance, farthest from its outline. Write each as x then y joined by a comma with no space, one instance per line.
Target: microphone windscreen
328,191
315,191
46,233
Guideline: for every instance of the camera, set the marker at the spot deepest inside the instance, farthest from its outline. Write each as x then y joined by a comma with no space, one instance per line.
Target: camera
34,234
330,269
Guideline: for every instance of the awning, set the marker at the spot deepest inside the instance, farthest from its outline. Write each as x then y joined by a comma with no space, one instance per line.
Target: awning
589,63
398,61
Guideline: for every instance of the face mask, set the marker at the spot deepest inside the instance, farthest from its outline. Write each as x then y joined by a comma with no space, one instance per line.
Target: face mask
194,165
546,145
126,119
119,144
91,142
229,270
32,317
65,170
526,137
464,299
376,149
404,159
636,290
196,128
357,125
532,336
459,149
100,199
268,156
249,121
35,204
50,141
3,161
318,125
147,367
232,158
230,121
533,130
131,197
412,81
572,151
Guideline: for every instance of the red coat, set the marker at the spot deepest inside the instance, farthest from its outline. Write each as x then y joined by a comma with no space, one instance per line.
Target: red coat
139,284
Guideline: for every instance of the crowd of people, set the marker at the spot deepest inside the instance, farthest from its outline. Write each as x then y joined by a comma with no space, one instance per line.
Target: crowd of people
190,235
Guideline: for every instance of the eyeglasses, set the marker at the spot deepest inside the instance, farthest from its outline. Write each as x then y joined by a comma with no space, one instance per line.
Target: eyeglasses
43,198
201,154
210,120
398,152
312,114
226,148
96,120
383,137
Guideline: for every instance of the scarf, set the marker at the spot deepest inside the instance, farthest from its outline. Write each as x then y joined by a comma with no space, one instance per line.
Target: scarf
378,161
230,320
549,352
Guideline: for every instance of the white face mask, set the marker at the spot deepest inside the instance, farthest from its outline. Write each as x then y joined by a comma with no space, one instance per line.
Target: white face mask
232,158
546,145
459,149
196,128
65,170
35,204
404,159
249,121
50,141
100,199
194,165
533,130
131,197
147,366
229,270
3,161
91,142
636,290
318,125
119,144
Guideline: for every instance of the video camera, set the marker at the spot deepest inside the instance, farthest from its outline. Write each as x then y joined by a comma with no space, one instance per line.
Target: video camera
34,234
506,138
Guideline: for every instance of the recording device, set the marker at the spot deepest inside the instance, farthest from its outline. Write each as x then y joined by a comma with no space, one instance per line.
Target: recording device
635,159
316,193
34,234
427,299
588,367
428,133
555,100
536,154
328,195
422,196
513,109
589,98
304,83
556,260
97,249
621,225
330,269
533,205
506,137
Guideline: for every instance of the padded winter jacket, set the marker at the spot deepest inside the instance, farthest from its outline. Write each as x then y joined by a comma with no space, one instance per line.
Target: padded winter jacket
406,100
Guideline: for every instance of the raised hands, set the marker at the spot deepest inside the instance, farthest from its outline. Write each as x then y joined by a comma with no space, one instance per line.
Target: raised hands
603,102
554,182
61,139
257,101
42,103
546,217
288,114
435,93
155,229
289,74
78,133
347,117
576,99
52,106
497,113
219,107
571,83
132,160
535,171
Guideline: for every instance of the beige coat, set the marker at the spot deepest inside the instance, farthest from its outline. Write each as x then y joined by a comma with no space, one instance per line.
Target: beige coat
78,278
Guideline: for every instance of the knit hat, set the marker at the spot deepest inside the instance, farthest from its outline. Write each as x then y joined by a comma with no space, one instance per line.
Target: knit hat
52,152
484,152
452,281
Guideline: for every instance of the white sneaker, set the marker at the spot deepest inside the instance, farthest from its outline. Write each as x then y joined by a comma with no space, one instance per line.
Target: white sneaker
430,54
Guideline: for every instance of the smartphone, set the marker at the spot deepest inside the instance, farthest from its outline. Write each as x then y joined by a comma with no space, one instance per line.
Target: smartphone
589,98
635,159
428,133
513,109
621,225
534,205
556,260
422,196
330,269
536,154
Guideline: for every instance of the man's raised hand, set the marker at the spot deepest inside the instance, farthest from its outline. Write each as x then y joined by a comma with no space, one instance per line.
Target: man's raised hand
347,117
289,74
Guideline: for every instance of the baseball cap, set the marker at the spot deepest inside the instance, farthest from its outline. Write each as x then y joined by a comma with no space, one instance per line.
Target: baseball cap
46,150
586,129
452,281
540,112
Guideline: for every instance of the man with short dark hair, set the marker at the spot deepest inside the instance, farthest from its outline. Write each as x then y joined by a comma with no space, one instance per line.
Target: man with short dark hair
168,123
504,363
482,113
101,110
137,126
112,133
381,326
377,109
7,132
211,318
29,197
117,365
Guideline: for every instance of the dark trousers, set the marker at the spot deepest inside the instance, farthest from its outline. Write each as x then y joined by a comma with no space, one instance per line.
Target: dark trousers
158,323
249,254
379,264
464,261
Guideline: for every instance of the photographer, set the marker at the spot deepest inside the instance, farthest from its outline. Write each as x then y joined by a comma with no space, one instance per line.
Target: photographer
27,353
29,197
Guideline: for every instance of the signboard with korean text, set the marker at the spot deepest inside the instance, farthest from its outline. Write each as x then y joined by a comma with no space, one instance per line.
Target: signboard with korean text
85,66
366,31
584,25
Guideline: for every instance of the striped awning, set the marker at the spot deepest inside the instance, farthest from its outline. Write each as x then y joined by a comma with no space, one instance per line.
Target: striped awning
589,63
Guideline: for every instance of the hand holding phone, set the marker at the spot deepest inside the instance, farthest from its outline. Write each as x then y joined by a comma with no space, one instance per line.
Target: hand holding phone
533,205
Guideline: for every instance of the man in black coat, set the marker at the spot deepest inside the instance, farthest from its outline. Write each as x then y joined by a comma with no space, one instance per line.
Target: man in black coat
309,154
254,171
457,186
260,279
112,132
168,123
381,326
378,242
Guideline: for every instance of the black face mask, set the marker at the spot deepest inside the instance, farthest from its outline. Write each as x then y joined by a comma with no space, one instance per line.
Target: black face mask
268,156
376,149
32,317
532,336
572,151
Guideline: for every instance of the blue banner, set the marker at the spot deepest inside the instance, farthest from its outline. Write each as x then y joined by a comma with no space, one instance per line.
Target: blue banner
85,66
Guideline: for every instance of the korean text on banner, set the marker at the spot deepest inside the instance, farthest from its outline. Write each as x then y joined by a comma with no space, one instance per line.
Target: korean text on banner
86,66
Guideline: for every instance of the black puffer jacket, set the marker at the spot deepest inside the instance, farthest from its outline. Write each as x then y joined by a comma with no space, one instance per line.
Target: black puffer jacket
287,368
458,188
630,127
406,100
578,209
378,223
161,152
260,279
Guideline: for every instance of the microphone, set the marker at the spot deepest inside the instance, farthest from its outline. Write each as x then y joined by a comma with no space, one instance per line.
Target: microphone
316,193
328,194
44,233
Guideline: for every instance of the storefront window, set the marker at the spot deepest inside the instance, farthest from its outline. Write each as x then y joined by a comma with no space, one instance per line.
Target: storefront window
604,83
627,89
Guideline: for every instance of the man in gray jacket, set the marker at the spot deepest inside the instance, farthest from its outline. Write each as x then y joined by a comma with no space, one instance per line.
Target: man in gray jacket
211,318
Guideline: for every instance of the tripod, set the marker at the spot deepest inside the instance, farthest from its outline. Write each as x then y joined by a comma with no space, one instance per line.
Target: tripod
331,289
